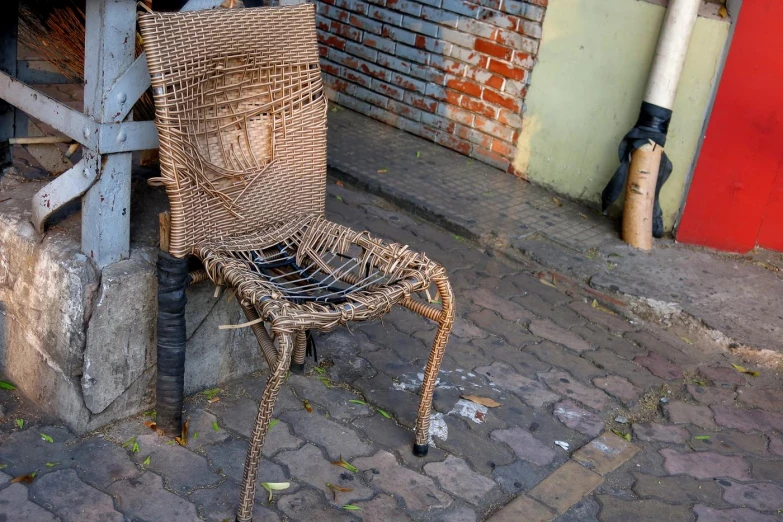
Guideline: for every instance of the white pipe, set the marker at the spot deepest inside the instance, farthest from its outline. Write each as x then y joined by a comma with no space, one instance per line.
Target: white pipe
670,54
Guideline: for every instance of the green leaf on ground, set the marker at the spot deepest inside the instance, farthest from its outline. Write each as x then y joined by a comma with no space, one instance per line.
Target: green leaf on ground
272,423
151,413
326,382
5,385
626,436
52,464
275,486
215,425
384,413
195,436
418,154
135,448
742,369
351,507
147,460
687,341
209,394
3,466
344,464
47,438
702,437
339,198
356,401
320,370
129,442
20,423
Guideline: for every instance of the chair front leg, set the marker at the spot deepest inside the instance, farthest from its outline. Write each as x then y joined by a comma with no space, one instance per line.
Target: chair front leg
265,407
300,349
446,321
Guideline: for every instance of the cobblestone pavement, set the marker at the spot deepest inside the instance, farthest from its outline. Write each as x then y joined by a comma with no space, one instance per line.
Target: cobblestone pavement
705,441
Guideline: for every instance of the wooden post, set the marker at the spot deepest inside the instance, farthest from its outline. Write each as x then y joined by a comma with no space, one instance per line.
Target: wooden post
640,195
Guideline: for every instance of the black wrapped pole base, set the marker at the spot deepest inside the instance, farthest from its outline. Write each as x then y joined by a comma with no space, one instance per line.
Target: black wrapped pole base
421,450
172,280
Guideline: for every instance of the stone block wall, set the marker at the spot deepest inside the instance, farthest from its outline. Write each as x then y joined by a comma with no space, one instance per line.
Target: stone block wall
452,71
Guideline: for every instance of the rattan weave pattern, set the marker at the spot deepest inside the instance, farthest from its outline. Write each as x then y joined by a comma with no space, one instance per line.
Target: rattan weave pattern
241,118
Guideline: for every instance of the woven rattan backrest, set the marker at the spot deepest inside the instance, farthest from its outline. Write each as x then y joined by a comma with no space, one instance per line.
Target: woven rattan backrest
241,117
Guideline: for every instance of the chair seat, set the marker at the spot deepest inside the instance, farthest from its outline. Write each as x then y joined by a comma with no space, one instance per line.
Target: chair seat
316,272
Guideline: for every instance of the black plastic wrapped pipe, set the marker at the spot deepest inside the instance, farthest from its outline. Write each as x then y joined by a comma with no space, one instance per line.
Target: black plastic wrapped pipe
172,280
653,124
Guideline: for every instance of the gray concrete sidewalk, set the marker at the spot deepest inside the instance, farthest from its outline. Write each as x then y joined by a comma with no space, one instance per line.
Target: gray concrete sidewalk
739,296
573,381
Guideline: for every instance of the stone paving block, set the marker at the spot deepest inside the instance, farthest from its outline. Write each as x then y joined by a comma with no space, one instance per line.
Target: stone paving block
569,484
504,376
388,362
614,509
760,496
514,333
647,340
145,498
468,354
310,505
408,322
385,432
768,399
459,514
613,322
279,438
508,310
553,354
578,419
564,384
417,491
550,331
382,507
585,510
525,445
457,478
467,330
4,478
229,459
26,451
705,464
14,506
659,365
606,453
115,464
238,416
747,420
334,399
183,469
613,364
710,395
680,489
482,453
683,413
523,508
553,296
560,315
309,465
708,514
73,500
776,445
620,388
349,369
334,437
765,469
721,374
221,503
600,338
654,432
496,349
730,442
200,421
381,392
519,476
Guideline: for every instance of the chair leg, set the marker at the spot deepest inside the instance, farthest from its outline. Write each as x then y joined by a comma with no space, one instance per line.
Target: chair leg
248,492
421,446
300,347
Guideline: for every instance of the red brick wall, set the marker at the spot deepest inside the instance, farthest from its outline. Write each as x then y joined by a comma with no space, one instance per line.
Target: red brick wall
452,71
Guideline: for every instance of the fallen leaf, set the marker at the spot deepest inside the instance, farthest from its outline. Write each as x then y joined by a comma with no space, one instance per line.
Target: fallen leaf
418,154
339,198
598,306
699,382
185,427
351,507
151,413
307,406
24,479
213,400
215,425
5,385
338,488
326,382
147,460
626,436
272,423
47,438
702,437
687,341
275,486
484,401
52,464
135,448
343,463
211,392
742,369
320,370
20,423
152,425
557,201
195,435
338,183
459,238
356,401
3,466
334,109
723,12
128,442
584,216
384,413
546,282
383,171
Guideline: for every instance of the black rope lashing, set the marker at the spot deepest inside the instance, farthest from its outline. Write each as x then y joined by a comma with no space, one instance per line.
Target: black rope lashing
653,124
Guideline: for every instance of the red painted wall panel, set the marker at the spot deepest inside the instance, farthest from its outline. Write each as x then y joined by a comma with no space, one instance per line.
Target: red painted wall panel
736,198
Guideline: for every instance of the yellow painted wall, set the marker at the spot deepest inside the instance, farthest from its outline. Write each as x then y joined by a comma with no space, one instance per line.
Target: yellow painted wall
587,87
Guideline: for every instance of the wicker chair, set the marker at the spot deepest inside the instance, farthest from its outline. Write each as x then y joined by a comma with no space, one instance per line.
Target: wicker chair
241,116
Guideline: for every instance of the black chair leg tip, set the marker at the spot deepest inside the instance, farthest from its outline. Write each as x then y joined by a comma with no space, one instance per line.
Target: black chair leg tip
297,368
421,450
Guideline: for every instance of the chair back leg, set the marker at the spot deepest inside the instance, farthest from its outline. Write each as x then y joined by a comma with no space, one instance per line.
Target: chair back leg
277,375
421,446
300,349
